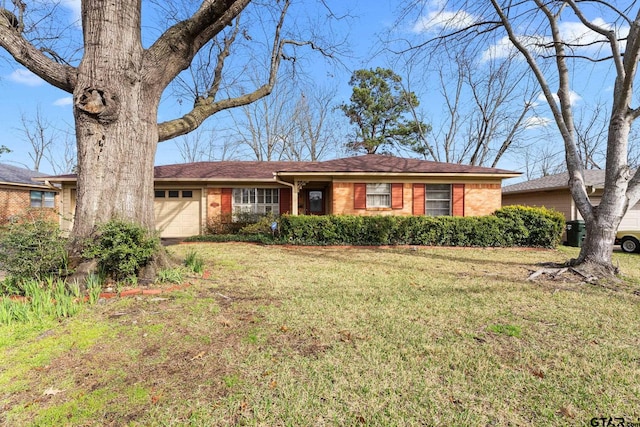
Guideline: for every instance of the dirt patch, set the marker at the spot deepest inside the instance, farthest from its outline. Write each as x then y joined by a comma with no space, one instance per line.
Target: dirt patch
162,346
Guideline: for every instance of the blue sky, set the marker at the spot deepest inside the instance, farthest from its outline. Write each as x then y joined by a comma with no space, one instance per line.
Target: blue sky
21,93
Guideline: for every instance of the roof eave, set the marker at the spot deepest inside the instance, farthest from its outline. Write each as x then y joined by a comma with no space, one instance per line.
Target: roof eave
19,184
404,174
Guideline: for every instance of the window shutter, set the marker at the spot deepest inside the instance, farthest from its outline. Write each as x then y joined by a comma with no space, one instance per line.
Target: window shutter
225,202
359,196
457,196
285,201
397,201
418,199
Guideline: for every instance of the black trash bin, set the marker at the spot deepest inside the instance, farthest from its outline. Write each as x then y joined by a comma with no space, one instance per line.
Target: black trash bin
576,231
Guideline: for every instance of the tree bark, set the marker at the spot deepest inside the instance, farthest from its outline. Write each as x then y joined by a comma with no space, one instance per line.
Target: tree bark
115,115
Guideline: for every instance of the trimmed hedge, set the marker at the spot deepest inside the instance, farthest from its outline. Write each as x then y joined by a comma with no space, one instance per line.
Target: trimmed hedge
509,226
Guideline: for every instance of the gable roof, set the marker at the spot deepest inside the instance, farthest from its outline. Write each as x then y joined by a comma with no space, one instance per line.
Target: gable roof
260,171
223,170
13,175
377,163
592,178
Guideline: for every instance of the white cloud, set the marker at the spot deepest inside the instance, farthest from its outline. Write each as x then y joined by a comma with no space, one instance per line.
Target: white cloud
574,98
585,41
536,122
440,19
63,102
25,77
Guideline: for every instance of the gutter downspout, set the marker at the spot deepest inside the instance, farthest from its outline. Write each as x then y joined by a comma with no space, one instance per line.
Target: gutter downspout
294,193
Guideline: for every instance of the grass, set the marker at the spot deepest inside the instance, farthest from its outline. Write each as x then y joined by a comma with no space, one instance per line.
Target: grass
339,336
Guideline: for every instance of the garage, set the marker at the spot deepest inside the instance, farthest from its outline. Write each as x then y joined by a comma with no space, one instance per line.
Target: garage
178,212
631,220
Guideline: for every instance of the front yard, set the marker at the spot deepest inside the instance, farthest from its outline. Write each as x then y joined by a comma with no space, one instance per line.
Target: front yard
339,336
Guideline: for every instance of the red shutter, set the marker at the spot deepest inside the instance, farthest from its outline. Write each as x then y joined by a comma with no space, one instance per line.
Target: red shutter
359,196
397,201
418,199
225,202
457,196
285,201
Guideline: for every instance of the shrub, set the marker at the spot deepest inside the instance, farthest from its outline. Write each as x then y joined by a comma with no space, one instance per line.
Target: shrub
533,226
240,222
508,227
261,225
122,248
32,248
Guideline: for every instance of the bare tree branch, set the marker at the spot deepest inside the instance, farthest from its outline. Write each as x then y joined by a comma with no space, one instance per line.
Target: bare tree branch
12,40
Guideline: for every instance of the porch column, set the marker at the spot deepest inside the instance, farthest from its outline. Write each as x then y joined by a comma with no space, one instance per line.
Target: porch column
294,197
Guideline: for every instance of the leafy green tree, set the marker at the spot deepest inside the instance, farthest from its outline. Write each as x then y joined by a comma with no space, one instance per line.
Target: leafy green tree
379,109
4,149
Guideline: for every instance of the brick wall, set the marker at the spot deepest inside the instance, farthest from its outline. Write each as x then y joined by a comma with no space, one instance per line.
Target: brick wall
482,199
15,201
344,195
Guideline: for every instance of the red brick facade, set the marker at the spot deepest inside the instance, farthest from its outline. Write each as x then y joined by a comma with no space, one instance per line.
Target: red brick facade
17,201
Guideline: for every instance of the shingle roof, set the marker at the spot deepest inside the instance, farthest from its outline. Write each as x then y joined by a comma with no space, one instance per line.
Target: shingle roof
390,164
261,171
370,163
592,177
250,170
15,175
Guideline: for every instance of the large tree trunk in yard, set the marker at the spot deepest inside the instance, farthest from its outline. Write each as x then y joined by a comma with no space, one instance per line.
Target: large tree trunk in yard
115,114
602,221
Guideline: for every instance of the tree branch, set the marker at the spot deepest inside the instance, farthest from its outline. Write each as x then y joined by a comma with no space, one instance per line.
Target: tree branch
176,48
58,75
206,107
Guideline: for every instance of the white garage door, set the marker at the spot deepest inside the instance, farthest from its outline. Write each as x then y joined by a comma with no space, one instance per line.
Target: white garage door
631,220
177,212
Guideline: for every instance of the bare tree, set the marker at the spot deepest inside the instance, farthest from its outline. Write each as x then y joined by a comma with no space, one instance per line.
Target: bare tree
485,104
204,145
295,123
62,156
39,134
591,136
534,29
316,127
118,83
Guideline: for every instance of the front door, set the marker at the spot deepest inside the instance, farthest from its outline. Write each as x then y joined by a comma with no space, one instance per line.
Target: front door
315,202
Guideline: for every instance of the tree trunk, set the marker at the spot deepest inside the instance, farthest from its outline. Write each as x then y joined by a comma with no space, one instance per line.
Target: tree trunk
115,115
602,221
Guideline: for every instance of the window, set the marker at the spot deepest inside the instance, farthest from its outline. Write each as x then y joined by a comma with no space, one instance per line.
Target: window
43,199
256,200
173,194
378,195
438,199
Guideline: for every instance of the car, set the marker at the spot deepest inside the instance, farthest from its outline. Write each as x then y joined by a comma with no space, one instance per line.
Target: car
629,240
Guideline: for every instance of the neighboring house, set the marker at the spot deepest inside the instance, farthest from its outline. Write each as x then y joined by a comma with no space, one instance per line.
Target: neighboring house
552,191
19,193
188,195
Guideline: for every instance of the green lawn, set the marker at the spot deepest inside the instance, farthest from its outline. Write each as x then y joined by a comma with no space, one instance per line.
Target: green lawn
339,336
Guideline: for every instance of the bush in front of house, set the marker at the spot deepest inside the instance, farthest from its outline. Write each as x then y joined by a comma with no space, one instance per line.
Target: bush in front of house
512,226
533,226
122,248
32,247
